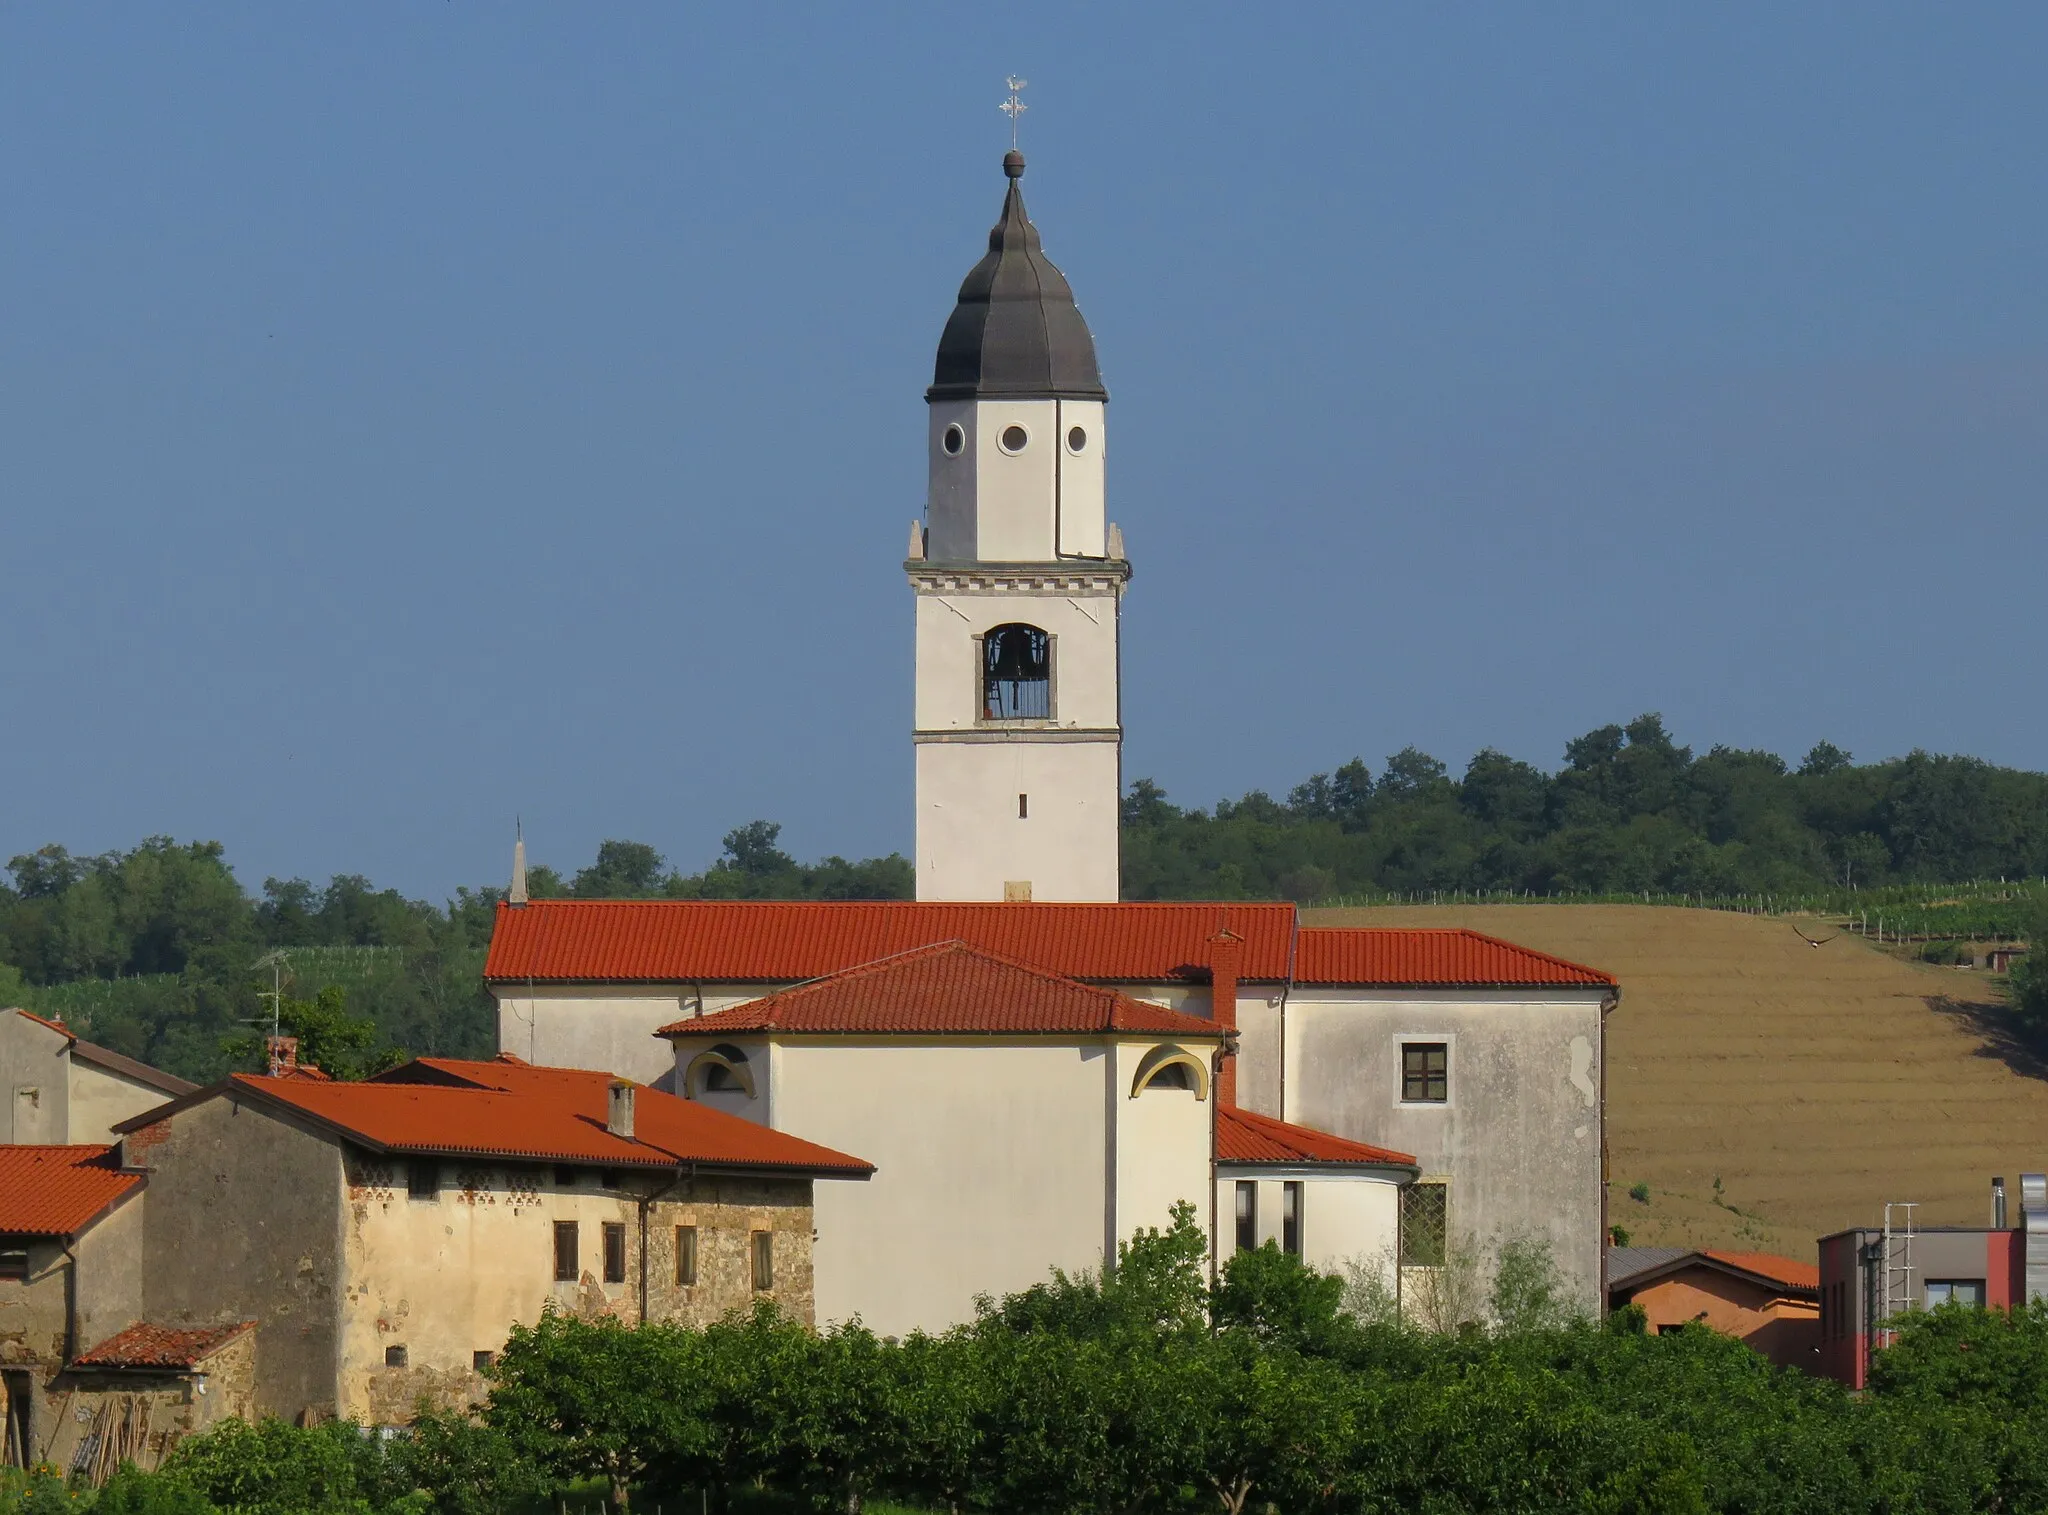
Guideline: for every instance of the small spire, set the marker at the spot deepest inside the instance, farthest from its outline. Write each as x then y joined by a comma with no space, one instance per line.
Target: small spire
517,894
1013,164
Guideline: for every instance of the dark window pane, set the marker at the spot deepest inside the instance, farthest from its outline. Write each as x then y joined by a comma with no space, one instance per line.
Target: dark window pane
566,1271
686,1254
1077,440
764,1261
423,1178
1425,1072
1014,438
1425,1222
565,1177
1247,1215
956,441
1290,1219
482,1360
614,1252
394,1357
13,1262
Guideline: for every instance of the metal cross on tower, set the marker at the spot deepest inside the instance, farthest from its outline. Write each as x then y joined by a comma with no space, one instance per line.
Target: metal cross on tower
1014,107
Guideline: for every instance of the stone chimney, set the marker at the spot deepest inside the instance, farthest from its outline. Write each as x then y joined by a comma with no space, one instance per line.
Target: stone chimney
618,1114
1226,958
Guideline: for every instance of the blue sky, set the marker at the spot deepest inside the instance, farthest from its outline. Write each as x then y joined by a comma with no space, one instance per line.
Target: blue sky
414,415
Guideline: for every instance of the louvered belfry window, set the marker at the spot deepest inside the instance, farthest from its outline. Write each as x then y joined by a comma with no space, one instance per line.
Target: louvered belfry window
1016,674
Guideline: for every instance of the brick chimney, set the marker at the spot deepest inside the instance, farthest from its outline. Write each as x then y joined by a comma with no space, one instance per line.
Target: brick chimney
1226,958
618,1113
283,1053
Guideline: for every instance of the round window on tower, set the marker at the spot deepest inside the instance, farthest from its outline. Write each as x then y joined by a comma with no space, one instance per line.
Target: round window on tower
1077,439
1014,438
955,440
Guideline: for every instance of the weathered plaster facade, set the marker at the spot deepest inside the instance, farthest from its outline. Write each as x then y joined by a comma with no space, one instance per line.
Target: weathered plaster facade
1518,1140
60,1092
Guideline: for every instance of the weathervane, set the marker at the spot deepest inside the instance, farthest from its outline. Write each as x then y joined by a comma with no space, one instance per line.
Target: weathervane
1014,107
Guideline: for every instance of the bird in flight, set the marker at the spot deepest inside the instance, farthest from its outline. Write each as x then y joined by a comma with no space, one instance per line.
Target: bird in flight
1811,941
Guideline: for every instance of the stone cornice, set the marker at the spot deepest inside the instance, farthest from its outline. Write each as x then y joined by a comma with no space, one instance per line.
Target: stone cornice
1091,576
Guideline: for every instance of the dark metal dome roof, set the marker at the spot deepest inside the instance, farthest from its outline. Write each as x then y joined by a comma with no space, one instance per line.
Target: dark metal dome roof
1016,332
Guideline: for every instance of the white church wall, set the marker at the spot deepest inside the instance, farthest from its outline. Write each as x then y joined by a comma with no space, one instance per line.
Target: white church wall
971,840
1344,1216
757,1058
1163,1141
1518,1140
1084,632
610,1029
1258,1052
1081,517
949,512
989,1169
1014,490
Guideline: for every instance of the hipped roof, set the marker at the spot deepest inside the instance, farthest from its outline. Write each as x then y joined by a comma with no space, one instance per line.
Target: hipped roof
950,989
509,1109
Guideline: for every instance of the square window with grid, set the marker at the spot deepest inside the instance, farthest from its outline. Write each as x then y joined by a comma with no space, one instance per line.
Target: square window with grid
1425,1225
1426,1072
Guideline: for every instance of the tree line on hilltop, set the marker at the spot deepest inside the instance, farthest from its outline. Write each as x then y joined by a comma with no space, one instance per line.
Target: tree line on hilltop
1153,1391
161,953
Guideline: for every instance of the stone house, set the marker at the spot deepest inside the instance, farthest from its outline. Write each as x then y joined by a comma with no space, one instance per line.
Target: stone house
63,1090
386,1236
80,1378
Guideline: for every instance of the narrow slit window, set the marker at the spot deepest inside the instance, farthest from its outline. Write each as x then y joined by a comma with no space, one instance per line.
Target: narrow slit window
1023,807
686,1254
614,1252
565,1252
1290,1219
764,1261
1247,1215
1016,674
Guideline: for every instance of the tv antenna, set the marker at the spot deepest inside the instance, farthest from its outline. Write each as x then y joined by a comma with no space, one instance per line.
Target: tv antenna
1014,107
277,962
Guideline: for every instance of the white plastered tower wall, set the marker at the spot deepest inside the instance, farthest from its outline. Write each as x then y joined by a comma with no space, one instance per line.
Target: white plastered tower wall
1017,799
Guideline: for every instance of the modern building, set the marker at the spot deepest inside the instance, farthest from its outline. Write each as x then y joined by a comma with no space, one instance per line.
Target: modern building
1769,1303
63,1090
1871,1275
384,1237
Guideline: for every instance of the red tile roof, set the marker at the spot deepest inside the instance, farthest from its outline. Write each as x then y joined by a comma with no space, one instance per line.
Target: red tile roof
507,1108
59,1191
1768,1265
775,941
785,941
1430,958
147,1346
1245,1137
950,989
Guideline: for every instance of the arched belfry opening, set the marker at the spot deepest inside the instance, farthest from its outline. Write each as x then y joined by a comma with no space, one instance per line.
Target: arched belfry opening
1016,674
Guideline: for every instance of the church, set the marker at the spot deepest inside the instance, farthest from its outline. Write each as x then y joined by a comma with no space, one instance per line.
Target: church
1036,1069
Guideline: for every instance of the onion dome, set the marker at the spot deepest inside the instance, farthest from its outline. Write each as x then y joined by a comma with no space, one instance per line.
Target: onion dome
1016,333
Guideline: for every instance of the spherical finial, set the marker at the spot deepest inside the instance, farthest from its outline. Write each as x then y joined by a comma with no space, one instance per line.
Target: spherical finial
1013,164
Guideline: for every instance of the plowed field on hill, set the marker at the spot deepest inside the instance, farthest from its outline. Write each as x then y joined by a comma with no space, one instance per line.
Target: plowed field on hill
1811,1085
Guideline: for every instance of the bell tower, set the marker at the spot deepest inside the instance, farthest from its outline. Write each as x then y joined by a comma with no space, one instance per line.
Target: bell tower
1019,581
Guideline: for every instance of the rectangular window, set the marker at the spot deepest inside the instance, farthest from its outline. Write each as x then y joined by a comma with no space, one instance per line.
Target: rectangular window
482,1360
13,1262
566,1271
1425,1072
423,1179
394,1357
1425,1224
1023,807
614,1252
686,1254
1954,1291
565,1176
1247,1216
1290,1219
764,1261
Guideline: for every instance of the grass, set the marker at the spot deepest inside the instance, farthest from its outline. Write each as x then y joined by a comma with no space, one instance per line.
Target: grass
1815,1084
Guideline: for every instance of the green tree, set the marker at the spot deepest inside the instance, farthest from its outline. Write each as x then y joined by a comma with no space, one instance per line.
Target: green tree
340,1045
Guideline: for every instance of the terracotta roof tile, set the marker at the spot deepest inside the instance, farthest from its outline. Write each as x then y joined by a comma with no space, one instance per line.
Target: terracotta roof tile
1243,1136
1430,958
146,1346
947,989
59,1191
774,941
1783,1270
510,1109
